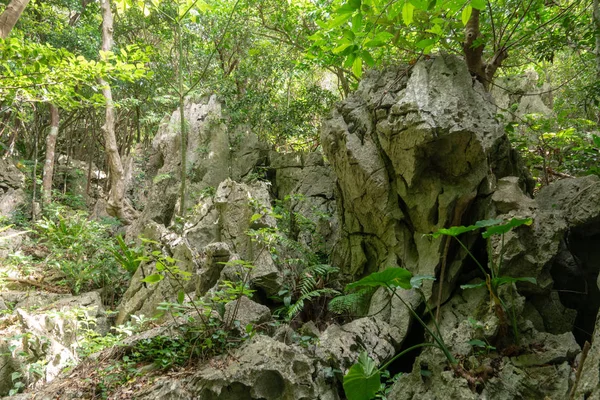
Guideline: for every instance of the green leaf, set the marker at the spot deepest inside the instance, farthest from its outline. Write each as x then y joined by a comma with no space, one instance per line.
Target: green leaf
180,297
466,14
368,58
596,140
154,278
472,285
478,4
408,11
357,23
435,29
425,43
338,21
357,67
362,380
459,230
417,280
477,343
341,48
255,217
502,229
389,277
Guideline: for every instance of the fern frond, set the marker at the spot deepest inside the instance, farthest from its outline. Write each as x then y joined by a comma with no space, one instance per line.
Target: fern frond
352,303
299,305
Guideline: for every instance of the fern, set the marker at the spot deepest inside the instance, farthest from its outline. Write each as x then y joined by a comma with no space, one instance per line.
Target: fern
353,303
309,286
299,305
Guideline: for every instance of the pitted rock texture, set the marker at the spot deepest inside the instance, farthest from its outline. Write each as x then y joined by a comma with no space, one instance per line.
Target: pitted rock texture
413,151
213,155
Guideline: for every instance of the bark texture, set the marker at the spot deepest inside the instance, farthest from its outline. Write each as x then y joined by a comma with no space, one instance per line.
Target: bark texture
597,26
483,71
50,153
10,16
116,204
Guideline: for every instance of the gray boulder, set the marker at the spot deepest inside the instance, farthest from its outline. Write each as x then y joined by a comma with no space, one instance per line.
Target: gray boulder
213,154
413,151
262,369
340,346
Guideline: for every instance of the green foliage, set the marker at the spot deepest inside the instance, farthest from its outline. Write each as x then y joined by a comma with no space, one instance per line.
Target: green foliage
128,256
362,379
390,277
493,280
311,287
81,249
556,146
355,303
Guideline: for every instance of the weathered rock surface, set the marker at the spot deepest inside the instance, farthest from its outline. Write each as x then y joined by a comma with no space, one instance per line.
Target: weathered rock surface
560,249
213,155
341,345
215,233
47,332
10,175
262,369
414,151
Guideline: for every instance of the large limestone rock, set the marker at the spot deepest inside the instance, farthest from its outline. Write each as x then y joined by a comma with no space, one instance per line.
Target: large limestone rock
560,249
413,151
215,233
213,154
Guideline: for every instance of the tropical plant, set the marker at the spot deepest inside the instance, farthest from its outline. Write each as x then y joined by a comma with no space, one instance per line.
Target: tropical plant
493,279
362,381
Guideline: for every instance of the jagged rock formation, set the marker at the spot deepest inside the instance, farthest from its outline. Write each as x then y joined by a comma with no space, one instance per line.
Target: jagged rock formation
46,333
213,155
413,151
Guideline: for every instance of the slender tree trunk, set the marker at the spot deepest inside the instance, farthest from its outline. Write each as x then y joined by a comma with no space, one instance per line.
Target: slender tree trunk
50,155
34,208
484,72
182,122
9,17
116,205
597,26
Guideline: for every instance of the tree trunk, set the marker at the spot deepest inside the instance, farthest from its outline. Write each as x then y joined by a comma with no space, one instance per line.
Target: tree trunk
50,153
182,124
9,17
116,205
484,72
597,26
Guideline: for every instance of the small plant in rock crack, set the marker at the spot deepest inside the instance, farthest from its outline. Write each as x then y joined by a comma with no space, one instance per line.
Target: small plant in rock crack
363,379
308,279
493,279
217,330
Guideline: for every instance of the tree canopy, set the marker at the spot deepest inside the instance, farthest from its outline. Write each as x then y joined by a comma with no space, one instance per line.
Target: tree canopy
276,65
